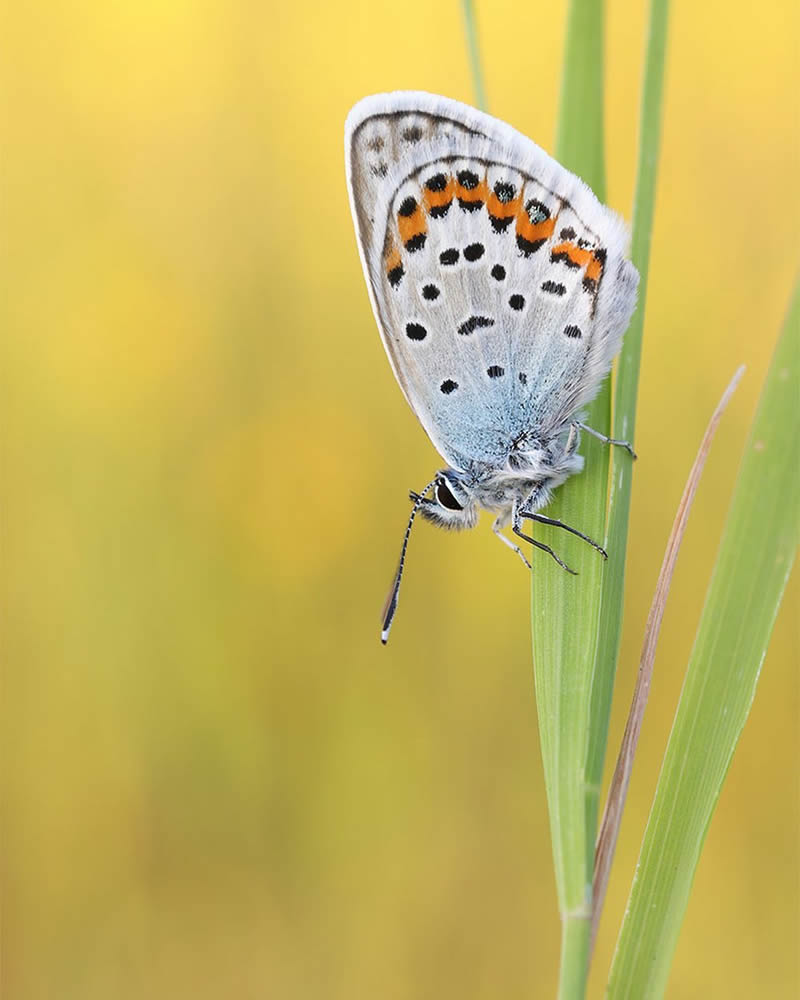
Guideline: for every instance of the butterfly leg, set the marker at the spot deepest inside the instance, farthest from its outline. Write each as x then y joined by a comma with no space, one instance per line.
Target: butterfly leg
496,528
602,437
567,527
517,529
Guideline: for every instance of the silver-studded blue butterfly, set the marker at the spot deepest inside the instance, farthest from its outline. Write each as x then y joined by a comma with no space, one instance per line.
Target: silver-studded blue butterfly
502,289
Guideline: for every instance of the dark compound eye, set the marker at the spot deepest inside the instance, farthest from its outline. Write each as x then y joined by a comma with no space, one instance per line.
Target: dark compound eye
445,498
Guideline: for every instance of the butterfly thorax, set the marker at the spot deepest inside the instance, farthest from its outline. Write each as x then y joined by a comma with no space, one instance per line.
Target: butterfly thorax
531,472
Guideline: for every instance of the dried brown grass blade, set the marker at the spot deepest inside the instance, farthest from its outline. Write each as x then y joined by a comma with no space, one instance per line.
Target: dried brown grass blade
615,803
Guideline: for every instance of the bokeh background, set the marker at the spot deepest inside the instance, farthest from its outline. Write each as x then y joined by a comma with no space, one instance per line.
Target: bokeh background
217,783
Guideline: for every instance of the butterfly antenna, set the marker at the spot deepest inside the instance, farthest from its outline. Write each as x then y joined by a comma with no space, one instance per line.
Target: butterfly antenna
390,608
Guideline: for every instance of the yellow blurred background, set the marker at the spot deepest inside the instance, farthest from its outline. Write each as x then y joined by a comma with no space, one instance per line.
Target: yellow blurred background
217,783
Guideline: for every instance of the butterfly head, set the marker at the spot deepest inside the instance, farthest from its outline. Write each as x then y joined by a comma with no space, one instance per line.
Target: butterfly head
452,503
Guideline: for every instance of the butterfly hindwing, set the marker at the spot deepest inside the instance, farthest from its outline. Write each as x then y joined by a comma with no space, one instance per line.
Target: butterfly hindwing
498,280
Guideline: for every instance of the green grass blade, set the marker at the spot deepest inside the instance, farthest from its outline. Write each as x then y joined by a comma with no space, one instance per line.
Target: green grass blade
579,131
618,790
627,380
753,564
474,53
565,609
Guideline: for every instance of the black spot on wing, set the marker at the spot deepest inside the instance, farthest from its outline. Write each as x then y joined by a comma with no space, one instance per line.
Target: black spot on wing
448,386
517,302
395,276
415,243
474,323
430,292
474,251
416,331
439,211
572,331
505,192
449,257
438,182
528,247
500,225
407,207
537,212
498,272
495,371
554,288
412,134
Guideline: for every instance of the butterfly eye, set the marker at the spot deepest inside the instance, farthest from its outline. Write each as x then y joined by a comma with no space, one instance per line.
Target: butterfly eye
445,498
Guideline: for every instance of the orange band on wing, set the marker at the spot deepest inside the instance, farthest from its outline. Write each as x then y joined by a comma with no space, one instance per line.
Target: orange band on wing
394,266
534,232
594,269
393,258
438,199
575,256
503,209
412,226
471,197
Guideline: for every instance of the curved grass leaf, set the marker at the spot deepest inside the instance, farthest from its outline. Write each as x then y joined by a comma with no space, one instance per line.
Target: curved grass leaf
615,804
753,564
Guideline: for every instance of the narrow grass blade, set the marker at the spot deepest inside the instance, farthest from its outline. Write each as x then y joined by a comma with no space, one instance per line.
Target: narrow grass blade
474,53
615,804
627,380
753,564
565,609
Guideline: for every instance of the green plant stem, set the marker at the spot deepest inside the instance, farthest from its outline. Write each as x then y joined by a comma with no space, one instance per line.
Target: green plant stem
627,381
565,609
575,939
579,131
474,54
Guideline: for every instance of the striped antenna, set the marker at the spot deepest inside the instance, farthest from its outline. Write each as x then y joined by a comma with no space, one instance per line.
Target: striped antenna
390,608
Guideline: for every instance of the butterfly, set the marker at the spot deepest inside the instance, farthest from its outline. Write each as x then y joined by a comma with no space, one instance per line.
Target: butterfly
502,289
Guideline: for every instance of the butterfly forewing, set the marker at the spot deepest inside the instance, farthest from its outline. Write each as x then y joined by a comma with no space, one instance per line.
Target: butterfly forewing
498,280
